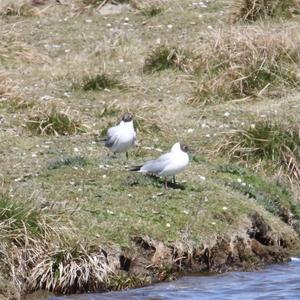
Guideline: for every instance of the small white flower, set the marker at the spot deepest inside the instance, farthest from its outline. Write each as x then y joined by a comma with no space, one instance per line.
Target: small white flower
76,149
129,195
88,21
126,19
252,126
170,26
109,212
209,27
239,180
190,130
108,25
224,207
168,225
227,114
243,183
104,176
202,177
213,223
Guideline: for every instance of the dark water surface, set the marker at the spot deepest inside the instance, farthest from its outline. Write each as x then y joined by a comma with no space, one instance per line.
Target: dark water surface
275,282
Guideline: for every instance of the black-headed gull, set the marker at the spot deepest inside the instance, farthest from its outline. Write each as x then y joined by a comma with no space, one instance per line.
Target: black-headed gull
168,164
121,137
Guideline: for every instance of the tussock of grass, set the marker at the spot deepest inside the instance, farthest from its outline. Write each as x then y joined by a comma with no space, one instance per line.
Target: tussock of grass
71,161
165,57
252,10
73,269
17,215
38,256
53,123
245,62
267,141
100,82
151,10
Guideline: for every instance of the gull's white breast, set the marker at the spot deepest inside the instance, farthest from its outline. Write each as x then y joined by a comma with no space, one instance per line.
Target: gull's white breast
177,163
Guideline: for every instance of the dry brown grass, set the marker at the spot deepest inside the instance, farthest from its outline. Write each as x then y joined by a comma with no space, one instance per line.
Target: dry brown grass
246,61
14,50
266,141
18,8
164,56
252,10
39,254
53,122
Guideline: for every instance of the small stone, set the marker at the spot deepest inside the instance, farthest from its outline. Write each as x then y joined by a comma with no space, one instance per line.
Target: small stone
168,225
224,207
170,26
227,114
104,176
108,25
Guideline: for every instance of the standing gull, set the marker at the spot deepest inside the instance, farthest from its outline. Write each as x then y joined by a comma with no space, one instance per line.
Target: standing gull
168,164
121,137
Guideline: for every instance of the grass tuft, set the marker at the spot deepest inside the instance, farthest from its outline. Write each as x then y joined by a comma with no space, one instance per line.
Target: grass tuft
166,57
16,215
70,161
243,63
253,10
267,141
100,82
53,123
151,10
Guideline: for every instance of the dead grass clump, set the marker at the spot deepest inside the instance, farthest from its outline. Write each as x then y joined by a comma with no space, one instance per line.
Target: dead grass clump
18,8
246,62
13,50
165,57
252,10
70,269
267,141
53,123
100,82
35,255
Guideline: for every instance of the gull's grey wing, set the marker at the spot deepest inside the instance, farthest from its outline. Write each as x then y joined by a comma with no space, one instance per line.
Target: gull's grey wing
134,139
112,137
156,165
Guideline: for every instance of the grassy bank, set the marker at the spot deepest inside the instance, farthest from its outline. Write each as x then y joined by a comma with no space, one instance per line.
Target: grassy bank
214,75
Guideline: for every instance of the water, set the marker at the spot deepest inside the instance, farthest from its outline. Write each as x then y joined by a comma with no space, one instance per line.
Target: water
275,282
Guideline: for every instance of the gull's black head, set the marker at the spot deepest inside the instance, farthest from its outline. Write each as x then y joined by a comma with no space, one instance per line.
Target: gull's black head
127,117
184,148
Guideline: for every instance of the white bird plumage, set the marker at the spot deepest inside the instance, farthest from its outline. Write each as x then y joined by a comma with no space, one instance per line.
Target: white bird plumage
168,164
122,137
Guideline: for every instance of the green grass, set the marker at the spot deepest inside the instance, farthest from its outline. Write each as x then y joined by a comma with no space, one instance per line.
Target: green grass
164,57
19,215
273,197
267,141
53,123
254,10
100,82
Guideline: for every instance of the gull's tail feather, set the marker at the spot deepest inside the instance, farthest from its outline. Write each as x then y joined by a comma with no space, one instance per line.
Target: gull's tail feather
100,139
136,168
